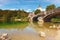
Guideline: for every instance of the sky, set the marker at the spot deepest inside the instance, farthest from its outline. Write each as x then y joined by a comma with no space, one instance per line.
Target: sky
27,5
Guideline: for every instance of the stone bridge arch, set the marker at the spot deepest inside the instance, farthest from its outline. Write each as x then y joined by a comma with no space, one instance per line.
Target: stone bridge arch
49,15
35,19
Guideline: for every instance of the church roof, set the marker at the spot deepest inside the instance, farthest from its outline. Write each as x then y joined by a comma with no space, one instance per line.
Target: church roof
39,6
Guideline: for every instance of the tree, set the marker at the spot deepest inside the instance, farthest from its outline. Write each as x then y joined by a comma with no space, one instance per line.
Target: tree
37,11
10,15
50,7
22,13
58,7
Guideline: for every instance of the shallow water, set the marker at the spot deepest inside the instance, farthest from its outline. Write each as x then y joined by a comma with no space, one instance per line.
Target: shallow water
31,32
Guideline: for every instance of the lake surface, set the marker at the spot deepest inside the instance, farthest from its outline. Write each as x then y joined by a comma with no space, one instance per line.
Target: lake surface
31,32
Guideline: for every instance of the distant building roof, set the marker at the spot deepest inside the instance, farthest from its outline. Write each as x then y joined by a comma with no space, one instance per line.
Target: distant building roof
39,7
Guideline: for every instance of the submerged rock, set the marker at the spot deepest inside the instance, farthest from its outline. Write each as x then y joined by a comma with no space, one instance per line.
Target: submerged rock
4,37
53,26
50,26
42,34
58,27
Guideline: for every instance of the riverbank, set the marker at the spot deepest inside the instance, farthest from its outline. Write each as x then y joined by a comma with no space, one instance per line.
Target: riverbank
55,20
14,25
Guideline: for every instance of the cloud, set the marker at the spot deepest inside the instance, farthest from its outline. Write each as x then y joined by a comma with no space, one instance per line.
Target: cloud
12,9
28,10
42,9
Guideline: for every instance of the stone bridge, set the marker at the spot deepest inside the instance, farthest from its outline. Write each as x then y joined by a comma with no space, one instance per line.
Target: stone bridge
49,15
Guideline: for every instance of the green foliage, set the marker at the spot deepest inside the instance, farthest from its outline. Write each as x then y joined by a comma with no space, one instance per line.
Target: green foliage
22,13
50,7
14,25
10,15
55,20
58,7
37,11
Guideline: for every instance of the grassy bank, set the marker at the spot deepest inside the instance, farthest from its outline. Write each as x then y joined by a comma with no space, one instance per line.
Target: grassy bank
55,20
14,25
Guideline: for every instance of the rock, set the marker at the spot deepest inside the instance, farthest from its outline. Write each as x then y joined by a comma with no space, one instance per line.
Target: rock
47,30
4,37
54,26
50,27
58,27
42,34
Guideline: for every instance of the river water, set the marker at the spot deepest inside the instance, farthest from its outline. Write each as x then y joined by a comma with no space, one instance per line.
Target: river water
31,32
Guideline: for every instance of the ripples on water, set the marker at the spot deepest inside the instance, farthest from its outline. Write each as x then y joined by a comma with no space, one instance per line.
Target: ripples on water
31,32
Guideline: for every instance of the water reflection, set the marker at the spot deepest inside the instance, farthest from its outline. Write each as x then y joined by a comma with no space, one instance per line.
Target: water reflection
32,32
51,34
17,34
58,35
